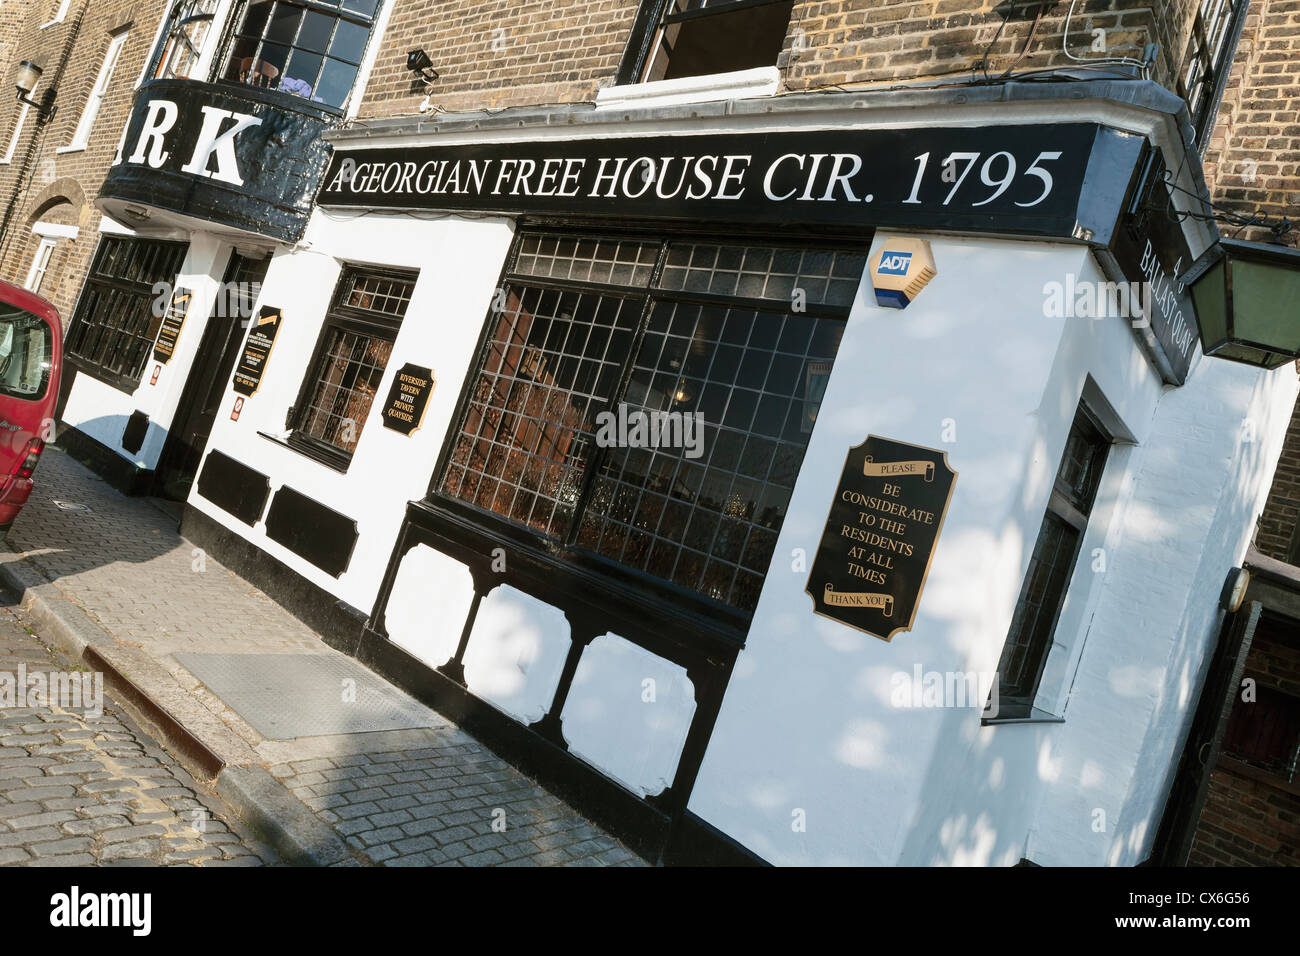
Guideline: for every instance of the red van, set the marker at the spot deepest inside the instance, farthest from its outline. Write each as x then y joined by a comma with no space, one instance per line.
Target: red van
31,361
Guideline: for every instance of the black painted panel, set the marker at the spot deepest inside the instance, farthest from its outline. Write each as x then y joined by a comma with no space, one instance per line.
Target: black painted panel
266,188
312,531
234,487
137,426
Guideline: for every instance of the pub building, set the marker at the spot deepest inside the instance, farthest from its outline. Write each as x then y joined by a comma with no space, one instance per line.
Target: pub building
940,577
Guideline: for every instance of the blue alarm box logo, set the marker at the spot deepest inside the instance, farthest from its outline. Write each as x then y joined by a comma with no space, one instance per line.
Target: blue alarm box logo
895,263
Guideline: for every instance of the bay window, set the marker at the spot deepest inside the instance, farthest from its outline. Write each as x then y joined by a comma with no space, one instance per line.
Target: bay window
742,335
310,48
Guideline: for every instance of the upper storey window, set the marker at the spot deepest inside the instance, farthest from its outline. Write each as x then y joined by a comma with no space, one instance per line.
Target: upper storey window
1215,30
674,39
187,26
311,48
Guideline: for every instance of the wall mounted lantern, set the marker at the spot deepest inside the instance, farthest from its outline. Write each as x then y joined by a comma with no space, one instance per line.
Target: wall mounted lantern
1247,297
29,74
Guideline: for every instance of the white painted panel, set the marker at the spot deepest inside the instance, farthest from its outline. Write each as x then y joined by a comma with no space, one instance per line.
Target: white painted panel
459,262
628,713
516,653
430,603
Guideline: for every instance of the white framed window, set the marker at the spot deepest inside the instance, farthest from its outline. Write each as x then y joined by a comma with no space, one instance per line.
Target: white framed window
18,128
183,41
59,14
97,93
40,264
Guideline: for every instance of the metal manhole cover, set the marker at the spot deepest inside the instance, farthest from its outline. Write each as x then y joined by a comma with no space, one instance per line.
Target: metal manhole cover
306,695
70,505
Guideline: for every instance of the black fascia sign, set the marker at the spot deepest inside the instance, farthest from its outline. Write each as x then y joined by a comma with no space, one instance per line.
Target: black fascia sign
1025,180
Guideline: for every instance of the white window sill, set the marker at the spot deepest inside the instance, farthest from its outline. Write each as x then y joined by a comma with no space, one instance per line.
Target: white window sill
743,84
72,148
51,23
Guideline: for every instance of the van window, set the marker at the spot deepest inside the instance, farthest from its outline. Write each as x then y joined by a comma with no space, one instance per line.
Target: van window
25,353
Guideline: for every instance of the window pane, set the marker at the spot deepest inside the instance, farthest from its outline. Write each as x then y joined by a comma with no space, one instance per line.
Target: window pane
316,32
698,522
349,42
300,76
284,24
25,353
336,83
345,388
821,277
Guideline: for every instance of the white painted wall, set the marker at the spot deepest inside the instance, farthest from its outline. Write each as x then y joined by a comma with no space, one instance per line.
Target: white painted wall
460,261
516,653
429,605
881,784
628,713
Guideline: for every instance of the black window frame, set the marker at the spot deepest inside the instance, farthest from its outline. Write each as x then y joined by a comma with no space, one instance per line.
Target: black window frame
349,319
1204,77
647,25
233,31
1069,510
122,288
478,528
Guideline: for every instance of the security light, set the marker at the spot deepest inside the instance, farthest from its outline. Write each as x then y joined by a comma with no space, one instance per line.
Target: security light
417,61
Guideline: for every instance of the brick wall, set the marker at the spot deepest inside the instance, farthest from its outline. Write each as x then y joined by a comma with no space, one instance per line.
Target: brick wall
1247,822
1252,159
492,54
1253,165
1251,817
41,183
1277,523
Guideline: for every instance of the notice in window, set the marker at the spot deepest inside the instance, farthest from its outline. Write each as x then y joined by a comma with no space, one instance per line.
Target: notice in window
880,535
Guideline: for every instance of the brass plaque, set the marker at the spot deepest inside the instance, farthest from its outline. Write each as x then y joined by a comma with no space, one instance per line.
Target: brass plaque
880,536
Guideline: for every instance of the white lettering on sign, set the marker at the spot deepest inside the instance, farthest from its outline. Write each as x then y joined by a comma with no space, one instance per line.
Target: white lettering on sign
1164,293
213,147
972,179
160,117
219,145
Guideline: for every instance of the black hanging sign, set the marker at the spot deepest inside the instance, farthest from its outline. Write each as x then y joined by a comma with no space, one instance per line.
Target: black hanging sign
261,338
1150,250
172,322
408,398
998,179
880,536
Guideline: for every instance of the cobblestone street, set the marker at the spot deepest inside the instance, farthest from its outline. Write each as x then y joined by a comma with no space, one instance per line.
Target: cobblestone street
424,796
78,789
